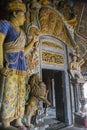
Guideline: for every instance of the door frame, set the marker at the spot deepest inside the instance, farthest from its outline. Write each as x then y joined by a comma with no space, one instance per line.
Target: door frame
68,110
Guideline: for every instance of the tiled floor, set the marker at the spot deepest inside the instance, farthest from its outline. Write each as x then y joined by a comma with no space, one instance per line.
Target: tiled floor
50,123
74,128
44,128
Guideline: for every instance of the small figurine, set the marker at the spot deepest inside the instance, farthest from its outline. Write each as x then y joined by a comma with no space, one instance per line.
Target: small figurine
75,67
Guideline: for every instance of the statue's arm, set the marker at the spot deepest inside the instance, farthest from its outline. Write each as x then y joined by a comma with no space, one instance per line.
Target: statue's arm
80,64
2,37
30,45
71,67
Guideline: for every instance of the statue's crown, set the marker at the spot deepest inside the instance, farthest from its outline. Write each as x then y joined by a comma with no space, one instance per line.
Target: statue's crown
16,5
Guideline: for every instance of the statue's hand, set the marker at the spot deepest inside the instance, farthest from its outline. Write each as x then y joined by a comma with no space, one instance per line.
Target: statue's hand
5,71
35,39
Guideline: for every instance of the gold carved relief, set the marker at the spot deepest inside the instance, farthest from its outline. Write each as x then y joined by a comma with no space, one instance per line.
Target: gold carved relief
53,45
51,23
52,58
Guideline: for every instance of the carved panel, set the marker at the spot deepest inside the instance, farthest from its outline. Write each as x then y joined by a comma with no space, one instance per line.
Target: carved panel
53,45
51,23
52,58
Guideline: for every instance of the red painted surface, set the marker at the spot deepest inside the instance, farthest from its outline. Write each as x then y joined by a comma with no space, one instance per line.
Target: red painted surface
80,120
85,122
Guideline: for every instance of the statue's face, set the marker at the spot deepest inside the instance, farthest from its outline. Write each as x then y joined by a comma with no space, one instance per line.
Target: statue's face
20,18
75,58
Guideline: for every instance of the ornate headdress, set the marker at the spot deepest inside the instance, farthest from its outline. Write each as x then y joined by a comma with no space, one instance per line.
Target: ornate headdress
16,5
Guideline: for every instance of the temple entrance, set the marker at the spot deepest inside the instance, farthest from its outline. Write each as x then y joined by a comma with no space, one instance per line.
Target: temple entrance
54,81
53,69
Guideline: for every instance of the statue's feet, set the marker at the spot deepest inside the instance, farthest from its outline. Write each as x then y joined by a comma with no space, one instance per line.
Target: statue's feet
22,127
31,126
10,128
5,123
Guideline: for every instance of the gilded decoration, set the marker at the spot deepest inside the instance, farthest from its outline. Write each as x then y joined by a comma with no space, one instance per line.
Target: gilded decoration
53,45
51,23
52,58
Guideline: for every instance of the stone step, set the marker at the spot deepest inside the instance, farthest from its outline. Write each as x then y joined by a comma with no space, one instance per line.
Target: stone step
56,126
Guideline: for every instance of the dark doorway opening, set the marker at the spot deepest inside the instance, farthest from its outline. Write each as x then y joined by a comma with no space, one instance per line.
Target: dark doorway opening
54,81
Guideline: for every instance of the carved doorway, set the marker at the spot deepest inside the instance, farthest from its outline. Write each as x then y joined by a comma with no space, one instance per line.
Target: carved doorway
55,85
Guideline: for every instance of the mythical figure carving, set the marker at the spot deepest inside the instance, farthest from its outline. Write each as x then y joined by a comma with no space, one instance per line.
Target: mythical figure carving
37,93
34,9
31,108
33,30
51,23
33,56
